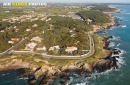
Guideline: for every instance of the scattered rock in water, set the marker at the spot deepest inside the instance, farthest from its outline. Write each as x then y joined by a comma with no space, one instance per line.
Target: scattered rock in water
64,79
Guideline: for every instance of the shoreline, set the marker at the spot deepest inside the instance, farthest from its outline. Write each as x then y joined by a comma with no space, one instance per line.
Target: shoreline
78,67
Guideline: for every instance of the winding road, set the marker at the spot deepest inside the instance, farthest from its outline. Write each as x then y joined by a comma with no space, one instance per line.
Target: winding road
90,53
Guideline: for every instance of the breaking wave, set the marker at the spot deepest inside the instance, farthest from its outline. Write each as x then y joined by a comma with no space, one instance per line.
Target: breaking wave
112,44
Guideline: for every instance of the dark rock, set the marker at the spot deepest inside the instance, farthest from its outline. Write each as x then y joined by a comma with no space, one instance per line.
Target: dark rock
64,79
62,83
106,63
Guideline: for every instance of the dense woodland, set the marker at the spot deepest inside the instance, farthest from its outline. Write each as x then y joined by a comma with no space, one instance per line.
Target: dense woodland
59,34
62,31
97,17
103,8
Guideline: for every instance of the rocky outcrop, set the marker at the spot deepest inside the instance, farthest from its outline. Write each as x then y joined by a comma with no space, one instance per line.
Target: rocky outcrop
14,64
106,42
106,63
45,73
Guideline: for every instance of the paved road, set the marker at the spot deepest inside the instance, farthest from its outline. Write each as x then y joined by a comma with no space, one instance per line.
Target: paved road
90,53
10,49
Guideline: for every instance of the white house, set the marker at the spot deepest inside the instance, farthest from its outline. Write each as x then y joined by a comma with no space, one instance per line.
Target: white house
28,30
71,49
36,39
54,47
30,46
2,31
11,42
43,48
89,21
35,25
51,48
48,19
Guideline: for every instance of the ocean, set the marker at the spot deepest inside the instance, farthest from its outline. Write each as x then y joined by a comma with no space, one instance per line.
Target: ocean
12,77
121,41
120,76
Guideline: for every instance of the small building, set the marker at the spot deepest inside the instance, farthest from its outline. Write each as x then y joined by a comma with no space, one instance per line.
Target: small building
89,21
43,48
28,30
7,11
15,26
14,39
37,38
57,47
35,25
52,48
2,31
11,42
48,19
71,31
30,46
71,49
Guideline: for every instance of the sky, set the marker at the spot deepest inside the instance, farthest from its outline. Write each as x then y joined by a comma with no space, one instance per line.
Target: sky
71,1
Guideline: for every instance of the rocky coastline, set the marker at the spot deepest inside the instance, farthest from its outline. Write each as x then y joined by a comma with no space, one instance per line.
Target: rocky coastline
45,73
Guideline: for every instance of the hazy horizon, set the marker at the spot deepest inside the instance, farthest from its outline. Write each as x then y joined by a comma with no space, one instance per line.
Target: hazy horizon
69,1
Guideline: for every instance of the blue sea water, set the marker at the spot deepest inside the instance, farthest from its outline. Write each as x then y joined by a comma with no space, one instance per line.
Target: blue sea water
120,76
12,77
121,41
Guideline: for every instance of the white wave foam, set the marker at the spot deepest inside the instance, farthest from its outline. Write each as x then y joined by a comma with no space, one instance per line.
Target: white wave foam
121,58
118,45
106,72
122,51
87,81
114,38
80,84
3,74
120,62
112,44
75,75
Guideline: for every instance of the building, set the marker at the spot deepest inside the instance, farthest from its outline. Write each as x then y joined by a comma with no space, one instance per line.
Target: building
2,31
71,49
89,21
30,46
43,48
35,25
11,42
52,48
36,39
28,30
57,47
14,39
48,19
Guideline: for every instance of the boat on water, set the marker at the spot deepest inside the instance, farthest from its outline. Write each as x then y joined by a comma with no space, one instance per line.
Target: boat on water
123,26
